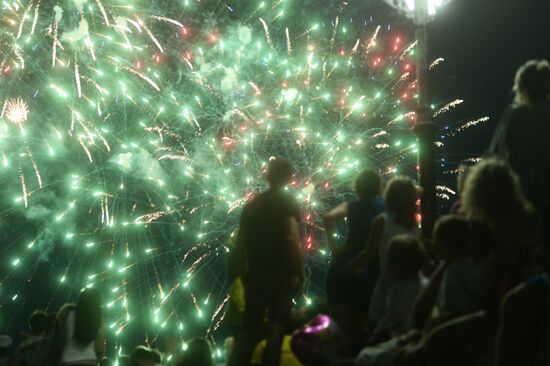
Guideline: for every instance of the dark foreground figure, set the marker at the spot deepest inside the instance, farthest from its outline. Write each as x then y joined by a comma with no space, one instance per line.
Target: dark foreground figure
274,266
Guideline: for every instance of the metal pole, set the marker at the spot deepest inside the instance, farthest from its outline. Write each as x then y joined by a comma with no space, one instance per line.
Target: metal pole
425,129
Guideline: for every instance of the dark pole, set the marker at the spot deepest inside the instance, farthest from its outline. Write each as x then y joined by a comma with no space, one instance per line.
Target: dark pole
425,129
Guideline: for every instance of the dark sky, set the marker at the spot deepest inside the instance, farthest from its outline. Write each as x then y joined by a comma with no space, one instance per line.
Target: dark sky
484,42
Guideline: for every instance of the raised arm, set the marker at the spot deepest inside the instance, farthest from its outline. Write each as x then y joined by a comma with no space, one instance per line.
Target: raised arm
331,218
372,248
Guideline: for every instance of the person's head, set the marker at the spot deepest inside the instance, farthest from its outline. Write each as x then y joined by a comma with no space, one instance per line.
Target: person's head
198,353
141,356
532,83
87,315
492,191
452,237
156,355
5,344
368,184
168,343
105,361
405,257
279,172
401,196
39,323
124,360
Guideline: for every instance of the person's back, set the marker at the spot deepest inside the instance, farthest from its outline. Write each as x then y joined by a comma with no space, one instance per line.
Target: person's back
462,280
521,137
527,148
393,228
360,215
265,226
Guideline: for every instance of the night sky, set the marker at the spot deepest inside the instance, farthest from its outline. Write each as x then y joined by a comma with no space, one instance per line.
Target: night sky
483,43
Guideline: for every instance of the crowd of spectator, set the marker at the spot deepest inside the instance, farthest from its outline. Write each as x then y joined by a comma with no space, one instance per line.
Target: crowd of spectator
476,293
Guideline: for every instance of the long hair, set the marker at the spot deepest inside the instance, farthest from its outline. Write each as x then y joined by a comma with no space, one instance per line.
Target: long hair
532,82
87,316
492,191
401,196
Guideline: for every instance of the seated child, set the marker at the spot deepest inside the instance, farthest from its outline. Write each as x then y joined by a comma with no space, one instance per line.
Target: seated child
462,280
405,259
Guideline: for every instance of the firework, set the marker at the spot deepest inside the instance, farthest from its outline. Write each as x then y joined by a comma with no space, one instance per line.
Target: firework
150,131
16,110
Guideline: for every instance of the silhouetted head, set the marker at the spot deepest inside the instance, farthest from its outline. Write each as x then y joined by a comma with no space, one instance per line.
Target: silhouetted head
492,191
452,237
368,184
124,360
5,344
197,354
105,361
532,84
401,196
39,323
87,315
142,356
279,172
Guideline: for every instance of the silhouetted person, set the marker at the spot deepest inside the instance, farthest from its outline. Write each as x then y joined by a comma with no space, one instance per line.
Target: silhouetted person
400,218
348,292
5,344
38,325
141,356
274,265
79,337
198,353
34,350
522,136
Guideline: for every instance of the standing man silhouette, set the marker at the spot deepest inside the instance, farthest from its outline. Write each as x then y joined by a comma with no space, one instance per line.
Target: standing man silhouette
273,265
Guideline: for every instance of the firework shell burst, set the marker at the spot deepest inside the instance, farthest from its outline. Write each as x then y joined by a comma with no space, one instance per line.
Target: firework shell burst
151,126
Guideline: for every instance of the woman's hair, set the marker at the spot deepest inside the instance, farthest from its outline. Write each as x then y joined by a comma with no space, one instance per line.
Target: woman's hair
87,316
407,253
401,196
491,191
532,84
368,184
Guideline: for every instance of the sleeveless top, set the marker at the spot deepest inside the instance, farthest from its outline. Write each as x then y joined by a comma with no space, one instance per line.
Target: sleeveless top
74,351
360,216
392,229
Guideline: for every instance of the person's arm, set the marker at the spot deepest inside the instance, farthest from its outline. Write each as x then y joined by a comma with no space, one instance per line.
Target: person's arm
296,254
99,344
373,244
331,218
236,260
426,299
